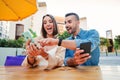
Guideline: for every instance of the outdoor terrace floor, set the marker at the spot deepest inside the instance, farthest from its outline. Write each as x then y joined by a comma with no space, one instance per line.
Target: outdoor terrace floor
109,59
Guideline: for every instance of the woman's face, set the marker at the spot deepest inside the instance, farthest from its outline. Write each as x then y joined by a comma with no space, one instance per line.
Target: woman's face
48,25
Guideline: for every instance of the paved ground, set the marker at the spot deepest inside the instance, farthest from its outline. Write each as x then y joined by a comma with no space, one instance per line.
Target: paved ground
110,59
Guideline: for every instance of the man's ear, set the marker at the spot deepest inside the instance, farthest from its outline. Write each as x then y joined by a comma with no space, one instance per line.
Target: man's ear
78,23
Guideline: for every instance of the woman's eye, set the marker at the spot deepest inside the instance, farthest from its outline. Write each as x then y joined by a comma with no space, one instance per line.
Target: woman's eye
51,21
44,22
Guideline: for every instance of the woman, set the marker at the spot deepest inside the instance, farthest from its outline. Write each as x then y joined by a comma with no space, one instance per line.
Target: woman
47,57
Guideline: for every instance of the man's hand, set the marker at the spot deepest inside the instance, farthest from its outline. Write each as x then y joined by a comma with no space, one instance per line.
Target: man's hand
48,42
78,58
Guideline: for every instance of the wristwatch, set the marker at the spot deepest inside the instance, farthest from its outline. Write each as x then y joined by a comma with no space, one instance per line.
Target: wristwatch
60,42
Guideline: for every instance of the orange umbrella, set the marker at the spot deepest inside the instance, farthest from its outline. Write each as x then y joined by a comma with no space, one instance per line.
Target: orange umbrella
14,10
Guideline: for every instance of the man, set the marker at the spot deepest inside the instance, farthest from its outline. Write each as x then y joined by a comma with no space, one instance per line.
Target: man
72,55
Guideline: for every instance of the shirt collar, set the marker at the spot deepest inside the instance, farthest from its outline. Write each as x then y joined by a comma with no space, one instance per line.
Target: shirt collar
79,34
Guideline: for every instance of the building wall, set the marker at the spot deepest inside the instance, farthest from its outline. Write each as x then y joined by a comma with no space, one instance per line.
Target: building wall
12,28
37,18
60,23
34,21
61,26
83,23
4,29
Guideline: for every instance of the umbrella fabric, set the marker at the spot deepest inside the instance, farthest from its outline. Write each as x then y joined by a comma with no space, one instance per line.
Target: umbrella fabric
14,10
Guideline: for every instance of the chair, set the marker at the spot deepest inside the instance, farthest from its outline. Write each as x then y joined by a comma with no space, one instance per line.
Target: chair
14,60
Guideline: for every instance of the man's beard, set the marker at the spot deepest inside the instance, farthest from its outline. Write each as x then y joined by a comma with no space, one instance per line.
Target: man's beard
73,30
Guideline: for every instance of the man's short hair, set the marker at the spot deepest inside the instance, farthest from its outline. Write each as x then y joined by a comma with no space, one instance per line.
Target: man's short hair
76,15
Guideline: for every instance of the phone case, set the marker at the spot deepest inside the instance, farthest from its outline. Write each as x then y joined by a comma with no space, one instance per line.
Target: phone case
27,36
86,47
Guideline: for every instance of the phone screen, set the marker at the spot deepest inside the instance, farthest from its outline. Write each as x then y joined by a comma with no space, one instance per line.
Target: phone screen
86,47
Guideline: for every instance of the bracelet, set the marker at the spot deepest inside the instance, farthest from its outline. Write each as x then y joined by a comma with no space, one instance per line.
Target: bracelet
60,41
31,57
29,61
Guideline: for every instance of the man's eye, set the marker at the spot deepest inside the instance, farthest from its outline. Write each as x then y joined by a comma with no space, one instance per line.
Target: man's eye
69,21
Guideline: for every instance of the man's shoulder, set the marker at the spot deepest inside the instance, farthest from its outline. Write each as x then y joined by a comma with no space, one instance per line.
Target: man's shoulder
84,31
92,31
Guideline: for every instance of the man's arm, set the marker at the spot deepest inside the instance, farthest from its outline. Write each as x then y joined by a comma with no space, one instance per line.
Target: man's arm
70,44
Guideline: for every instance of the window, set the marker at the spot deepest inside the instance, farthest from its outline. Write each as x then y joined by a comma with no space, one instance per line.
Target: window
0,28
0,34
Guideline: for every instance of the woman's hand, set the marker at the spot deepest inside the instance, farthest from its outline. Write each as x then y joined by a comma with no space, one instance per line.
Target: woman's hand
32,49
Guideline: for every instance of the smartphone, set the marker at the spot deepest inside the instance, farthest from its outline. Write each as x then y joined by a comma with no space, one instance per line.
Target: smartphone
27,36
86,47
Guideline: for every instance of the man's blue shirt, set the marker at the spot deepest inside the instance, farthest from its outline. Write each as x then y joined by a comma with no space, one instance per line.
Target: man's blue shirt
86,36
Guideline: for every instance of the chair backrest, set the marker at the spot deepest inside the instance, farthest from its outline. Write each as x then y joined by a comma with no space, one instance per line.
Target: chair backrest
14,60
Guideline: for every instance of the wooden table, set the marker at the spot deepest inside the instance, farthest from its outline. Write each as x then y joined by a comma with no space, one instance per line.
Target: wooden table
62,73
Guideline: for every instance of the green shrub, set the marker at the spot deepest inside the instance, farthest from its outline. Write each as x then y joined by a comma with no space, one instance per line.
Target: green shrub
64,35
12,43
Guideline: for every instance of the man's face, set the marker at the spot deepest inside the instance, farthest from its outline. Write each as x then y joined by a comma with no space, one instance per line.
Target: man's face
71,24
